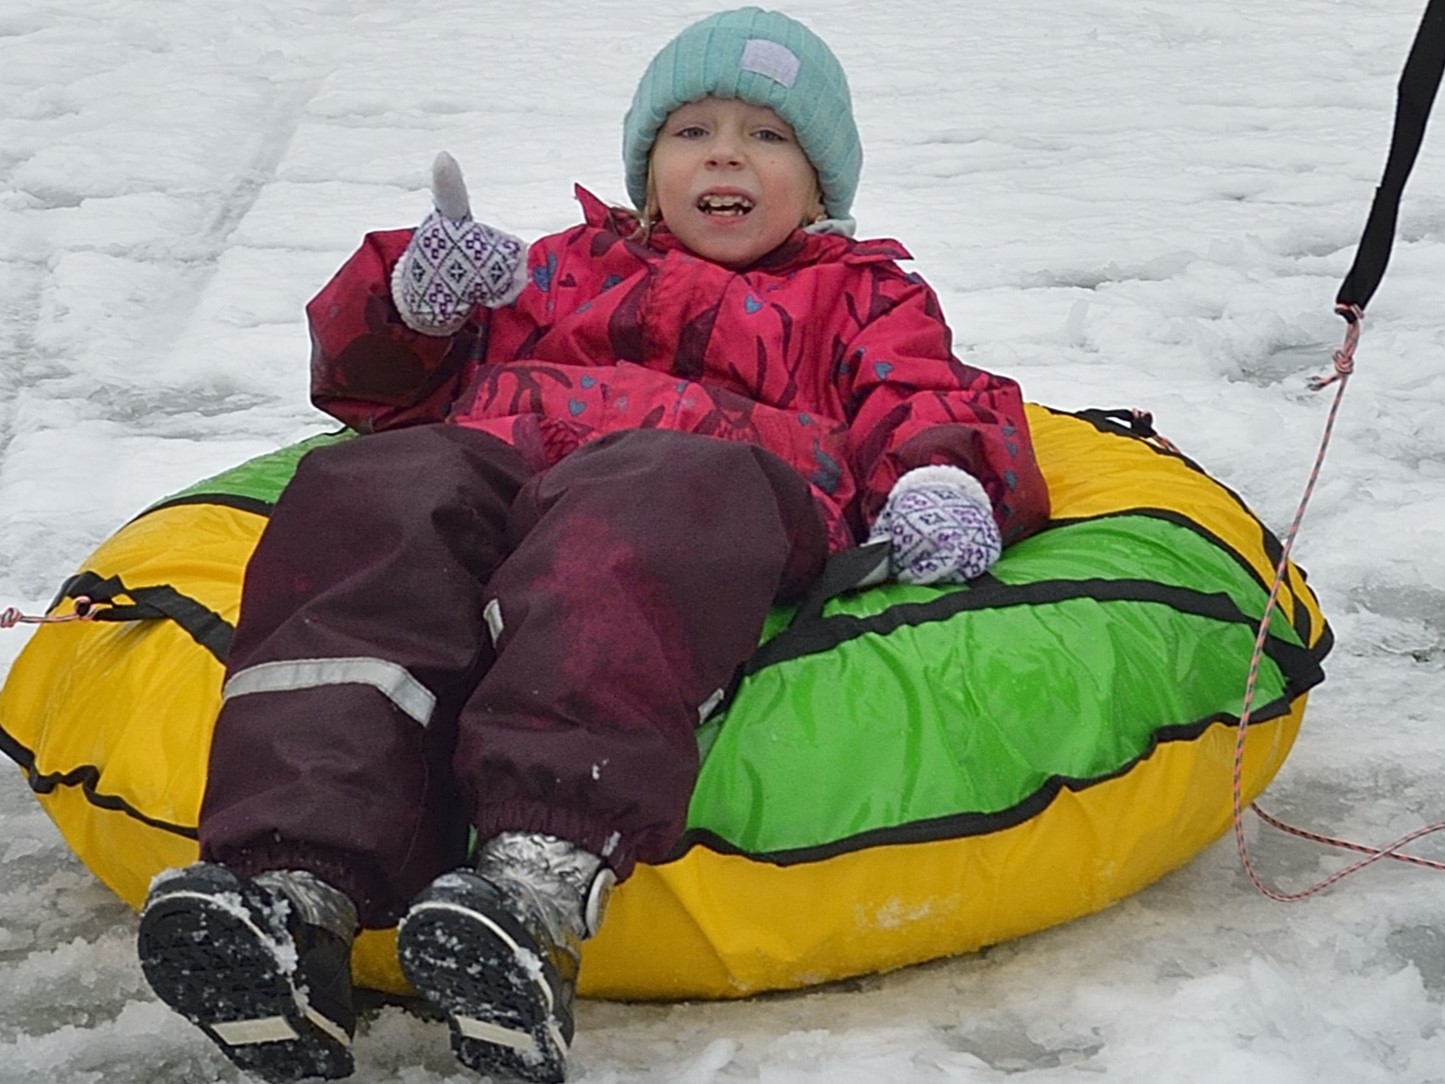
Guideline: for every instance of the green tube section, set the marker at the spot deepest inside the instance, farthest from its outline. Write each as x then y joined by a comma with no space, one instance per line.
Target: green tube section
919,713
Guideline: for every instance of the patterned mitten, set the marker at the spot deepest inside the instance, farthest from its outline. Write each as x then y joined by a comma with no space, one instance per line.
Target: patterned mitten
939,525
453,262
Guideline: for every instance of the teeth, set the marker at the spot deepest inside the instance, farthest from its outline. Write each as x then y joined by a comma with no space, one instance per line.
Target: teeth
717,204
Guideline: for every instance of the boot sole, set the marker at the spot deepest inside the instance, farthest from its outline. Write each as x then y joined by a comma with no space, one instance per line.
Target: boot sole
489,987
211,962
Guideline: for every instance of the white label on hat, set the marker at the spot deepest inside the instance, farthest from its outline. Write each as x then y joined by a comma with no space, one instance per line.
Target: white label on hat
777,62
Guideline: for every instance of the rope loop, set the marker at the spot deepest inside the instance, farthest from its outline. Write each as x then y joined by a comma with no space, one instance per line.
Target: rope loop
1344,355
84,611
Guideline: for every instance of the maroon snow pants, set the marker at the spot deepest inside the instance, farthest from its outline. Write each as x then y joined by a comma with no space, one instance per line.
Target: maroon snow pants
434,635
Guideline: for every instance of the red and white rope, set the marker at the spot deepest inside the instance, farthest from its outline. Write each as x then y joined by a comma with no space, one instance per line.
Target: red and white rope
1344,366
84,611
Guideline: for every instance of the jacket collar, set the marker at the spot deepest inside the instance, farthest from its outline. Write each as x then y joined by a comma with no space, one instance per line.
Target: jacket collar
801,249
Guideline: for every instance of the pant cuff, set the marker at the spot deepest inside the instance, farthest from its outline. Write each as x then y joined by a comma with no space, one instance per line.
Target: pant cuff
586,831
367,889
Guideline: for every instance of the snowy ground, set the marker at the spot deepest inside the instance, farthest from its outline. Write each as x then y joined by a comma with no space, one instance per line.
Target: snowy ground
1120,203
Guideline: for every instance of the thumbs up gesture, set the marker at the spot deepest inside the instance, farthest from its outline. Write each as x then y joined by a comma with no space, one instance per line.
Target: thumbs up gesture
454,263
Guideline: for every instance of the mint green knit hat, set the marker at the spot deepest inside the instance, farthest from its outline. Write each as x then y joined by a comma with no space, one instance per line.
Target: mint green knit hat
764,58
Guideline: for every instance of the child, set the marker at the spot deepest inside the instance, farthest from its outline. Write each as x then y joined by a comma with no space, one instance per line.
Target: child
591,468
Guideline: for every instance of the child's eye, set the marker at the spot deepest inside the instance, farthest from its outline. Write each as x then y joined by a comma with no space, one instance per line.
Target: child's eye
767,135
691,131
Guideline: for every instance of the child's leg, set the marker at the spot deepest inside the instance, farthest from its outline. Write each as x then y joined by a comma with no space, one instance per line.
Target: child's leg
641,570
361,633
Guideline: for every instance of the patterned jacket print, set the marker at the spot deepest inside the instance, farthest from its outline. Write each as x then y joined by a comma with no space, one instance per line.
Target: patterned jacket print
824,352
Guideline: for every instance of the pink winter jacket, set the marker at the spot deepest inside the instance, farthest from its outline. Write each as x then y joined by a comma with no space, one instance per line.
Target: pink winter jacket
824,352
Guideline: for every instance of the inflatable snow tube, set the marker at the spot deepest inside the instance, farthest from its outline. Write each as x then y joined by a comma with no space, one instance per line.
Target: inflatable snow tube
902,773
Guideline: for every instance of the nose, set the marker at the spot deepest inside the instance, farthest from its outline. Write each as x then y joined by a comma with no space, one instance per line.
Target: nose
724,150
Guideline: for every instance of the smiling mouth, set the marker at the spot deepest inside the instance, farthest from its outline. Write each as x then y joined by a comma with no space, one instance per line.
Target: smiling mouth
725,206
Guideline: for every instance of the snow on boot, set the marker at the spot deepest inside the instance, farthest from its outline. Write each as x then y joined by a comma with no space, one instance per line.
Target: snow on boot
497,951
262,966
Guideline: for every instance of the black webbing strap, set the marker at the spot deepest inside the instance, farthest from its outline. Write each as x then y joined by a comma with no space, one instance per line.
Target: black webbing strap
861,566
208,628
1418,85
847,570
1139,423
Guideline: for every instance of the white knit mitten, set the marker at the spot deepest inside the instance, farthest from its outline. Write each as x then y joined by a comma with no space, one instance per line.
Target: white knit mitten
939,526
454,263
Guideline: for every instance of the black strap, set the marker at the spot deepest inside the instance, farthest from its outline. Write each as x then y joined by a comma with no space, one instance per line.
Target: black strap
1139,423
208,628
1300,665
1418,84
861,566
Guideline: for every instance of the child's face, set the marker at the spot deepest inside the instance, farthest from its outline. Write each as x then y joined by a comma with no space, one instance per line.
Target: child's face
730,180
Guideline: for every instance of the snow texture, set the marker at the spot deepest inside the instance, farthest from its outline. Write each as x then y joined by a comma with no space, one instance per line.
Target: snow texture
1119,203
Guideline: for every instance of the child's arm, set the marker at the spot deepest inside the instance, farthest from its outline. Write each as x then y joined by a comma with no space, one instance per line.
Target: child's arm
915,405
394,332
370,370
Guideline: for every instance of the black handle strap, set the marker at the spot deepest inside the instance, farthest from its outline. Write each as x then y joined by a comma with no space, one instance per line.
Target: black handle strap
208,628
1139,423
861,566
1418,85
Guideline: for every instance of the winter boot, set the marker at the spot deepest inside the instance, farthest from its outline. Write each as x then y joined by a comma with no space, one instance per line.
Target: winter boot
262,966
497,951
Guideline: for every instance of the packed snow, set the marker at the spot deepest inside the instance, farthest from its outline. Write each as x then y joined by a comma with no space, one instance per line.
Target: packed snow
1121,204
